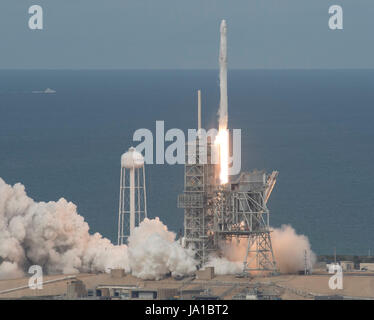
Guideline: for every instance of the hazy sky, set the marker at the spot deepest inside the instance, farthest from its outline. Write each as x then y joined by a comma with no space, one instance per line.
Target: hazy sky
176,34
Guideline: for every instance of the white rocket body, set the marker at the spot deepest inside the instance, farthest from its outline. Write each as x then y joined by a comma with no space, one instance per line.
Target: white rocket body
223,108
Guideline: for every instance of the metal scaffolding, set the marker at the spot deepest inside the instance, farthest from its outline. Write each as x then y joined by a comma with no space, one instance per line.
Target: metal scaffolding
215,213
197,199
241,213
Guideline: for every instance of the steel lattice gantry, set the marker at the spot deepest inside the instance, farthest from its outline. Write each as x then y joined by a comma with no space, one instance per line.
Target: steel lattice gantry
215,213
197,199
241,212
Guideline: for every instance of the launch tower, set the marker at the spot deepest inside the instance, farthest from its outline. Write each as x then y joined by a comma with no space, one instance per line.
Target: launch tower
217,210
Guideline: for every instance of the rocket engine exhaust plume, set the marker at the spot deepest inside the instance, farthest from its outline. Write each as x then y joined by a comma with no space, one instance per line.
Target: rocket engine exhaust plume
223,135
222,140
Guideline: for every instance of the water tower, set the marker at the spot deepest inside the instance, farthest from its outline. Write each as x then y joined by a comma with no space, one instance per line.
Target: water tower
132,196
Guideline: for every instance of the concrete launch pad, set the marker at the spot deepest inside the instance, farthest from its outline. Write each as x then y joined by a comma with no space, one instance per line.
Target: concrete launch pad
356,285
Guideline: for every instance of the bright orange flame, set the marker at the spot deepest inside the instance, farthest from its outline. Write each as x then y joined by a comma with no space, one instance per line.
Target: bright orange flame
223,141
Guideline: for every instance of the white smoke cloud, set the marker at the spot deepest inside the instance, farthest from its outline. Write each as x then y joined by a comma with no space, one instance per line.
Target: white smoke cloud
10,270
224,266
290,250
54,236
153,252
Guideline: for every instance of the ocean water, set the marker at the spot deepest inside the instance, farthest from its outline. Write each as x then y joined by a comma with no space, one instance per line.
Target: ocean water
314,127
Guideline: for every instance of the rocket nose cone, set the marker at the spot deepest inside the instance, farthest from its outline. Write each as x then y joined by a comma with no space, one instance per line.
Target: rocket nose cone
223,26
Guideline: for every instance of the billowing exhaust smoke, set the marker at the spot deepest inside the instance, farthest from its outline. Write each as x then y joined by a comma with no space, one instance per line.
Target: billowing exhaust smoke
153,252
54,236
292,252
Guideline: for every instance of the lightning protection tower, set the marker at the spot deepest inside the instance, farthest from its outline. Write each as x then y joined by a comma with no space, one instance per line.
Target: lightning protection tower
132,196
197,198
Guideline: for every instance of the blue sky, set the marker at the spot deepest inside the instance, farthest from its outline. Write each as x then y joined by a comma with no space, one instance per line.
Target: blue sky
175,34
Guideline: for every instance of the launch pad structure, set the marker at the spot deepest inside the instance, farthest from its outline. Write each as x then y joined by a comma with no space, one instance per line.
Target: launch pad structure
218,211
215,214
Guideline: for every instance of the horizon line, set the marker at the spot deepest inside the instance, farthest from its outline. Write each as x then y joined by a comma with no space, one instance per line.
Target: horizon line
182,69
